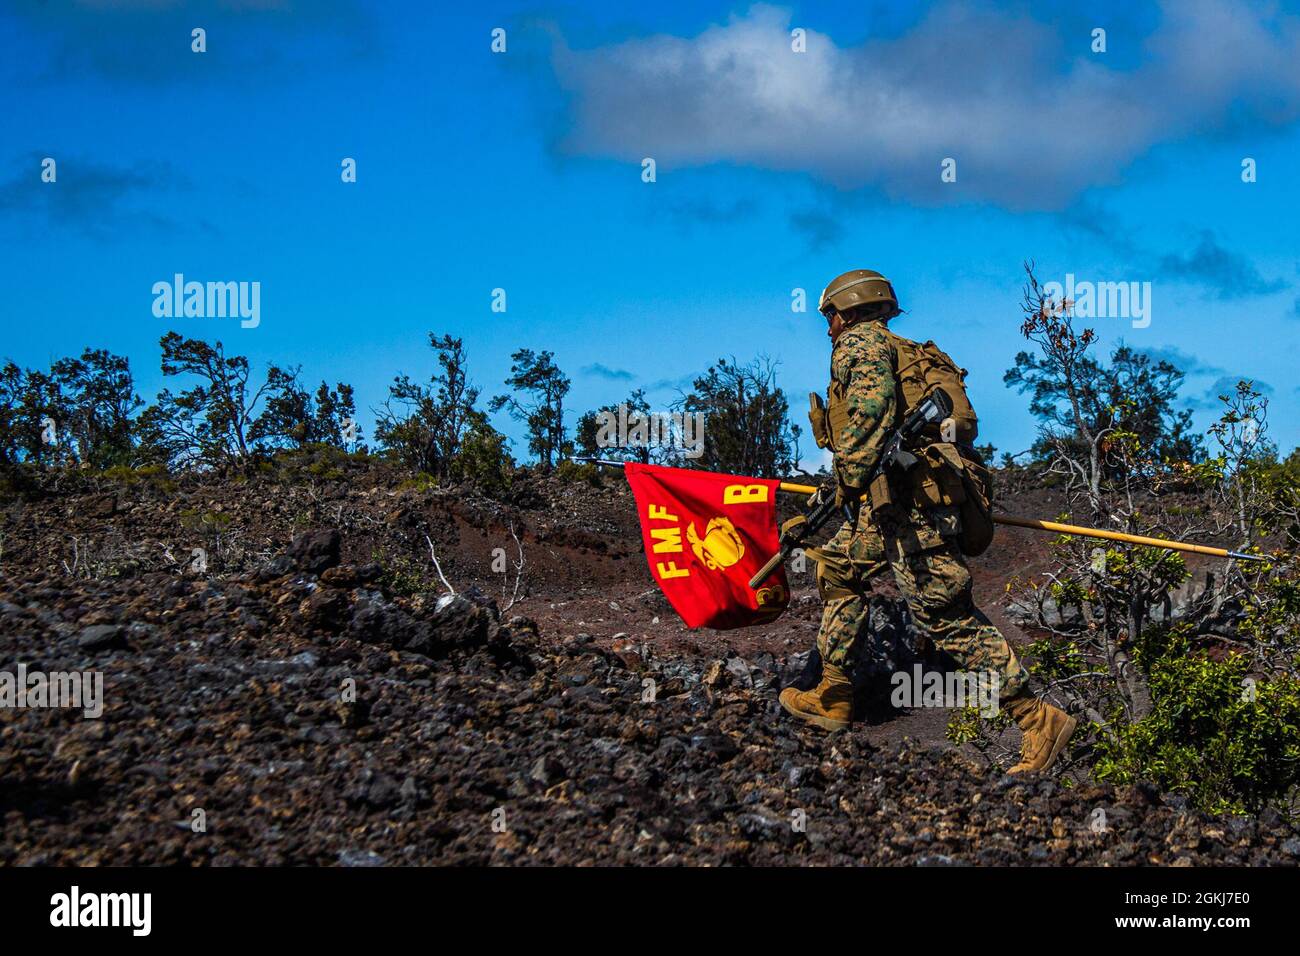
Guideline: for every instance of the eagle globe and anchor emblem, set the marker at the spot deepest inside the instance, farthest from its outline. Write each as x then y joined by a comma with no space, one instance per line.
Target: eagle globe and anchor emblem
721,547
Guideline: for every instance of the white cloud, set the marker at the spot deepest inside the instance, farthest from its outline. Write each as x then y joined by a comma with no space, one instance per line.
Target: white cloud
1031,120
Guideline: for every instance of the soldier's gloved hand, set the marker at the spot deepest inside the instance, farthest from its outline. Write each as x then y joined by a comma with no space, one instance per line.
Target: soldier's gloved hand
792,527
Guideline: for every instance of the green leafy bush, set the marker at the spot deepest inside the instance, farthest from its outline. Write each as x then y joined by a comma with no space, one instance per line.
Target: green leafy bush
484,458
423,481
1231,744
155,475
403,575
1054,660
572,471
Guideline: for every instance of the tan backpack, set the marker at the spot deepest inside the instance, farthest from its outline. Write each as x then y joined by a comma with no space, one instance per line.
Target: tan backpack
951,474
920,368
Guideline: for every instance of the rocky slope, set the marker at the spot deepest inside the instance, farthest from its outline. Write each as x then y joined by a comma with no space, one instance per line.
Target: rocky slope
315,696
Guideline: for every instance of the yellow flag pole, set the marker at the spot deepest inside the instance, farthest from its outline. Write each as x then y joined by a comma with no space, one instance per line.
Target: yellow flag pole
1056,526
798,489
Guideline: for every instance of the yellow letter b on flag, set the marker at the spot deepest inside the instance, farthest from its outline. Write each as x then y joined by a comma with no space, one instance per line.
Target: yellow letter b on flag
744,494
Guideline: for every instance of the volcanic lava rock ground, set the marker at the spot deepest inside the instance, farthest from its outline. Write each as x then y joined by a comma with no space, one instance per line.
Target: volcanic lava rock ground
475,735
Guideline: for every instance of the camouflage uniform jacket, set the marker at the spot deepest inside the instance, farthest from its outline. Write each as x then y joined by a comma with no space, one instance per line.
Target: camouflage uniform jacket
862,376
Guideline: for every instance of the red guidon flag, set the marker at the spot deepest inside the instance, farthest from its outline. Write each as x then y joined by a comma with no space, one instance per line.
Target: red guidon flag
705,536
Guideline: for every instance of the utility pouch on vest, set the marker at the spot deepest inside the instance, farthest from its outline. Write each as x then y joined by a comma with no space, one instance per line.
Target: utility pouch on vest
977,509
952,480
936,483
950,467
879,493
817,418
837,412
958,479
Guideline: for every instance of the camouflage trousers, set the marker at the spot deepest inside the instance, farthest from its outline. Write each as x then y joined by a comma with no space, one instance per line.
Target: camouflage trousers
932,576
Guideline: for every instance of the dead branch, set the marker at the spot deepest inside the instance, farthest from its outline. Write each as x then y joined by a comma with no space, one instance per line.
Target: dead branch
433,556
519,572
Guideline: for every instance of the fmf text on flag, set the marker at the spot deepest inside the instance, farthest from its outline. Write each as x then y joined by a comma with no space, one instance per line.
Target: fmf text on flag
705,536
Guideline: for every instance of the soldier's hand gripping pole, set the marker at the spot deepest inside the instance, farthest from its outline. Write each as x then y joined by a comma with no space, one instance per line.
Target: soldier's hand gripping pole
821,506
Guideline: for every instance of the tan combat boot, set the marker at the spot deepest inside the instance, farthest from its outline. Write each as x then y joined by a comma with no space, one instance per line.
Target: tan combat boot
829,704
1046,731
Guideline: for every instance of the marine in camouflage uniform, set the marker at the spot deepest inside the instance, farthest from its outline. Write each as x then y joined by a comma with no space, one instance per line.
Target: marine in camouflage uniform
918,547
928,567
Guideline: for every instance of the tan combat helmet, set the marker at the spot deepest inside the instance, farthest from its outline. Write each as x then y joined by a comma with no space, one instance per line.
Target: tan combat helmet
859,287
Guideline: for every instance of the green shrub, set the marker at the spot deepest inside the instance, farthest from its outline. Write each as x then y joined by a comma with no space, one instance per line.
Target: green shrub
1055,660
571,471
964,725
484,459
1207,736
154,475
1274,616
403,575
423,481
205,522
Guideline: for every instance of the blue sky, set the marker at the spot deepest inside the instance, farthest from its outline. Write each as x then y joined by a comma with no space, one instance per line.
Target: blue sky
776,170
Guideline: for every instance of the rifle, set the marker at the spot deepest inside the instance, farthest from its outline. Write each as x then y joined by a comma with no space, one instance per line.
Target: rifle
895,456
